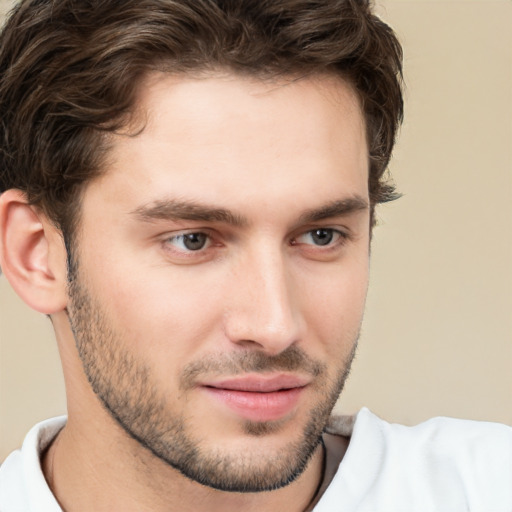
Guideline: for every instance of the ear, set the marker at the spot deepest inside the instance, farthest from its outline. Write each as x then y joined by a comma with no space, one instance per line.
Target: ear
32,254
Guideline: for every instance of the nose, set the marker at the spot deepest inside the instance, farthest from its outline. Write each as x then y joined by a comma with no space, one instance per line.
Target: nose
263,310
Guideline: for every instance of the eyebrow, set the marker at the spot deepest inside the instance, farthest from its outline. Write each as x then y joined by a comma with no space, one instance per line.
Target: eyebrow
172,209
175,210
337,208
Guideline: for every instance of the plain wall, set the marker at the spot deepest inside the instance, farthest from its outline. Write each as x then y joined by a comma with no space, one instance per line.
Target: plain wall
437,334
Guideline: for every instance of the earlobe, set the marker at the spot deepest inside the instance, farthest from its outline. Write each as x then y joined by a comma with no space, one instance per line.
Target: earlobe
32,254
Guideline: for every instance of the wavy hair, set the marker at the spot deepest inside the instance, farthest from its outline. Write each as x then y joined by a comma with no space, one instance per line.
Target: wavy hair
69,71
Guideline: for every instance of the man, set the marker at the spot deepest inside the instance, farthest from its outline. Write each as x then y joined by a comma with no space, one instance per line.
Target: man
188,191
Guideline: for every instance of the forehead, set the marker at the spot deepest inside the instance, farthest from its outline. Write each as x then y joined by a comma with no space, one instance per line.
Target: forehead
207,102
227,137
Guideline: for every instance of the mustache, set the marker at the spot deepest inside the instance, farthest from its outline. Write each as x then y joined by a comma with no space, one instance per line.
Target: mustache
293,359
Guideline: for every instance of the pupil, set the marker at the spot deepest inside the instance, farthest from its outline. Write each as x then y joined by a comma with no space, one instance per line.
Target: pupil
194,241
322,236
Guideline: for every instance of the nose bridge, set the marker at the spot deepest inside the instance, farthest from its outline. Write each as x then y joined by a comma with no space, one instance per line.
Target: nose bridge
264,310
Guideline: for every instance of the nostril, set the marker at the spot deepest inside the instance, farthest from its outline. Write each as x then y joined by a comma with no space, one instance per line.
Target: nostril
249,344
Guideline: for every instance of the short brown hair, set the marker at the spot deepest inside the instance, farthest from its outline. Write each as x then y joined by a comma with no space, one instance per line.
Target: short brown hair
69,71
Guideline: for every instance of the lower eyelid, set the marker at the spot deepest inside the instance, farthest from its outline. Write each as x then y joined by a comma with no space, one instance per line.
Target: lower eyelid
338,235
168,241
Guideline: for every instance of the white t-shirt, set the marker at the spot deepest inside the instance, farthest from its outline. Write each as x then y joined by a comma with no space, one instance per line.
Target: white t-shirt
442,465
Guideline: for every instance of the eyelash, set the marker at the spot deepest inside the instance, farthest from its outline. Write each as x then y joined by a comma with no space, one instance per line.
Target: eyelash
339,237
183,236
336,237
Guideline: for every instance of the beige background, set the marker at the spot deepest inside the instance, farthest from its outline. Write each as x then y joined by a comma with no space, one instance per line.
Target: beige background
437,339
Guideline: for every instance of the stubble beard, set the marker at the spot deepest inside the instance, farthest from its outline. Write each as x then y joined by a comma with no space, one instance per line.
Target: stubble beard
126,388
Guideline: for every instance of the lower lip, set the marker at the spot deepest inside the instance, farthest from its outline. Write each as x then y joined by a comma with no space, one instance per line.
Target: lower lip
255,406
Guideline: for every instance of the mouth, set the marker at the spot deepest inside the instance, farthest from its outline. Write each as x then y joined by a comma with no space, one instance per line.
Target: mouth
257,397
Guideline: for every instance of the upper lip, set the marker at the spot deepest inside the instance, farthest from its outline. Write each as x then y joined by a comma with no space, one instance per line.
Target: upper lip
259,383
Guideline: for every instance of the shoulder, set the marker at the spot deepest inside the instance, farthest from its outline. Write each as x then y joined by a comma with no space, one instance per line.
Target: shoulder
443,464
22,483
440,441
438,438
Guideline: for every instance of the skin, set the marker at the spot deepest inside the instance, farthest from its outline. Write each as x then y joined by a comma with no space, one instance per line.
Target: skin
155,322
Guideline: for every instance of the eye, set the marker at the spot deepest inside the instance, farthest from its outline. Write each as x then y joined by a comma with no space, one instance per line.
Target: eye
189,241
320,237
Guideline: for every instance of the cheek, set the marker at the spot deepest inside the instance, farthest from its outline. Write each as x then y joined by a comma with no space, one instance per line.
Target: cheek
169,311
335,306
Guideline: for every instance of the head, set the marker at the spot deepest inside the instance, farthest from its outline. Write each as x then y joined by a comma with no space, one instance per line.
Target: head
247,142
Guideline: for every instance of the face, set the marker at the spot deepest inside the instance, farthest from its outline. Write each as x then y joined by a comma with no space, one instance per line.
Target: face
221,268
